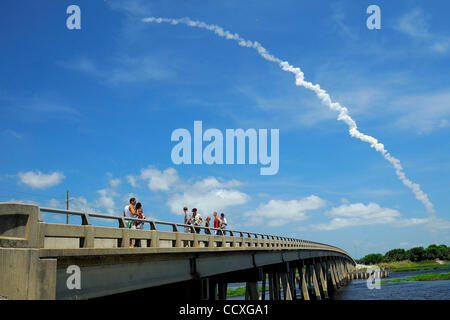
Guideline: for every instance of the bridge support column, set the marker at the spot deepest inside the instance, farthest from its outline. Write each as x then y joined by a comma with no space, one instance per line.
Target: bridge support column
302,282
263,286
291,280
251,291
222,290
332,275
315,282
339,272
323,282
344,276
276,286
271,289
212,290
287,294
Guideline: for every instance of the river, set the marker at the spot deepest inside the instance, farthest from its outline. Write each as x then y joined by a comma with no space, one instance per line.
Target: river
406,290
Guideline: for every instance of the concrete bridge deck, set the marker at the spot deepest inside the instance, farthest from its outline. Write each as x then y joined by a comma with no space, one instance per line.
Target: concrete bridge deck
35,259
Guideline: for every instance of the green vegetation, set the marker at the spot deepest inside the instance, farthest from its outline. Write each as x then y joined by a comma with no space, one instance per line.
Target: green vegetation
420,268
423,277
409,264
238,292
415,254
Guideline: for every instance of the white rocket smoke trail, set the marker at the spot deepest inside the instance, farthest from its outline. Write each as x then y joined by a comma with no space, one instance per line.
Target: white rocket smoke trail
321,94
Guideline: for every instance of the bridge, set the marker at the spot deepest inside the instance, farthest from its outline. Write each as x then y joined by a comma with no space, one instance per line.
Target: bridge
40,260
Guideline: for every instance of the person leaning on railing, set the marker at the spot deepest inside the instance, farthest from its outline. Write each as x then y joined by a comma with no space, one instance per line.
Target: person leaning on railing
130,212
217,223
197,220
206,225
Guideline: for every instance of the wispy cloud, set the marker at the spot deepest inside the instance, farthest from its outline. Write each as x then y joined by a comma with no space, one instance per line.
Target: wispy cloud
338,19
39,107
113,182
415,24
122,70
12,133
39,180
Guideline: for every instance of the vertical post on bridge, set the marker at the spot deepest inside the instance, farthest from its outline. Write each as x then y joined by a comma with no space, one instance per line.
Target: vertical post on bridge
333,275
271,289
302,282
222,290
315,282
251,291
323,281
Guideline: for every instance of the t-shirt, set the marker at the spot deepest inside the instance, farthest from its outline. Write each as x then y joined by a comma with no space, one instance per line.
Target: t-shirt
186,217
127,211
197,219
224,222
216,223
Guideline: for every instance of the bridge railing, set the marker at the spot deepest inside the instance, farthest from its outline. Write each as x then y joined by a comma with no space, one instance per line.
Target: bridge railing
46,235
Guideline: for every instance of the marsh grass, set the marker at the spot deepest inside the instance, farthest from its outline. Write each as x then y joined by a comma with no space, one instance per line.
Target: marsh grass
422,277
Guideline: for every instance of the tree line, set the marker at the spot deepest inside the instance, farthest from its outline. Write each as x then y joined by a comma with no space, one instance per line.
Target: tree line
433,252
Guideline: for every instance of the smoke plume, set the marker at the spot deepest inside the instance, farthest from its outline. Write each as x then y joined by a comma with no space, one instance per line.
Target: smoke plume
343,114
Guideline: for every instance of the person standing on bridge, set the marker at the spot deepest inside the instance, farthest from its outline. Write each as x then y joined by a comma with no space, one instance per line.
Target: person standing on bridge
206,224
217,223
140,212
187,221
197,220
130,212
223,221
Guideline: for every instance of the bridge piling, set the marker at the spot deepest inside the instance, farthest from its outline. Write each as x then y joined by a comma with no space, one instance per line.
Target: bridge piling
302,283
315,282
323,283
251,291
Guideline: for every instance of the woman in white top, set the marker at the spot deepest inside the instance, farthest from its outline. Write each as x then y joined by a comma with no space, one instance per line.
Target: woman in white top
130,212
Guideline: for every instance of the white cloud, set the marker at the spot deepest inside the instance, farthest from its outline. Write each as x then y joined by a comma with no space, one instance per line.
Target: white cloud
279,212
159,180
113,182
132,180
359,214
415,24
39,180
106,201
208,195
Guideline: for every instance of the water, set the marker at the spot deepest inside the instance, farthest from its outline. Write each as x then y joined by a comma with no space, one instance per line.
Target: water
407,290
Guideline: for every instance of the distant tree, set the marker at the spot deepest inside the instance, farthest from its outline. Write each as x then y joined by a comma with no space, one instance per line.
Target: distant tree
395,255
416,254
432,252
443,252
372,258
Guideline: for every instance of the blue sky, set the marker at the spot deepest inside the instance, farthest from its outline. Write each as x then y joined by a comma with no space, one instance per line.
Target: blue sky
92,111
